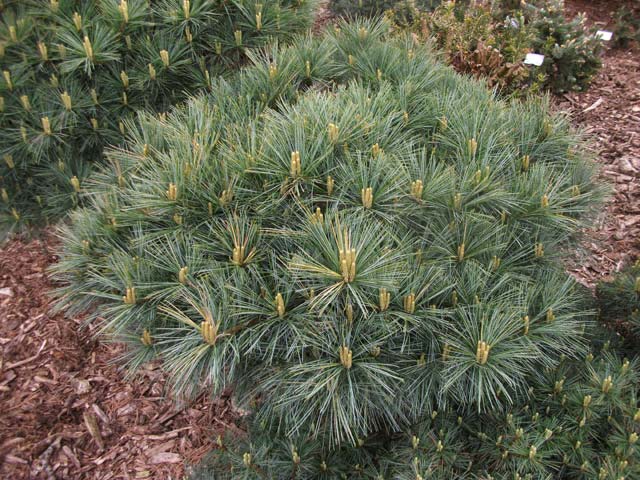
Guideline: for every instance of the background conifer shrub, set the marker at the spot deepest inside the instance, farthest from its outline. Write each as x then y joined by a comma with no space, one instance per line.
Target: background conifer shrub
619,301
571,49
627,26
349,234
74,71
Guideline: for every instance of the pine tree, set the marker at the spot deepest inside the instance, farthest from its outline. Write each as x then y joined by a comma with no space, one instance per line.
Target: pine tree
359,241
75,71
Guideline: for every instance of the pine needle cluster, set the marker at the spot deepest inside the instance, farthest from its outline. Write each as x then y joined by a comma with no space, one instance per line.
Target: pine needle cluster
354,237
74,71
580,420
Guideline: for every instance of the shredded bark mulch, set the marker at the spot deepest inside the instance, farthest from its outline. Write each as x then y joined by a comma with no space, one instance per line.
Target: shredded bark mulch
65,411
609,114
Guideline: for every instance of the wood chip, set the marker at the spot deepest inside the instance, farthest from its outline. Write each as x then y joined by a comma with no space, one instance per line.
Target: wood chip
13,459
594,105
71,456
92,427
165,457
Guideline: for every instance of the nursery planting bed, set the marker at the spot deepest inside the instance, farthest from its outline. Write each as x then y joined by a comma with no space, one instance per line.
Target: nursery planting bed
67,412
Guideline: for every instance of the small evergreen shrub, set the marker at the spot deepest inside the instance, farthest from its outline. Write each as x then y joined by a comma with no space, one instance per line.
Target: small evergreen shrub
353,237
478,40
619,299
572,51
74,71
627,27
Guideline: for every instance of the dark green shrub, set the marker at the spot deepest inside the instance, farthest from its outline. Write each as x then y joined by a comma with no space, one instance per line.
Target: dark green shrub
349,234
73,72
571,49
627,27
619,300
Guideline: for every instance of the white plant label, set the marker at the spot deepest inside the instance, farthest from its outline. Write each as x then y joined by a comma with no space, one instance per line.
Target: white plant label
534,59
604,35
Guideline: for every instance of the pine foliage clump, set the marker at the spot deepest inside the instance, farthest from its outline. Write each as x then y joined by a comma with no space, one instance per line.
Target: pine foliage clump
580,420
619,300
361,243
74,71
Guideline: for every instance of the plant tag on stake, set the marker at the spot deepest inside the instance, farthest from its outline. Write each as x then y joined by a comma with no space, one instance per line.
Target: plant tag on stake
534,59
604,35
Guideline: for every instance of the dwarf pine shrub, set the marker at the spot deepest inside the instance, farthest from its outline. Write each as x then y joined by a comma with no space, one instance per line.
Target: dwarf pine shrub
353,237
74,71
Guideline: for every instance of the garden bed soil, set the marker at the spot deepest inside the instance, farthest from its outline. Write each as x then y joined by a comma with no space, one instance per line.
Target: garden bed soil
69,413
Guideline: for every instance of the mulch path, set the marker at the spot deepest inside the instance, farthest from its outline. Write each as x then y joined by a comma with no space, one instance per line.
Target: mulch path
68,413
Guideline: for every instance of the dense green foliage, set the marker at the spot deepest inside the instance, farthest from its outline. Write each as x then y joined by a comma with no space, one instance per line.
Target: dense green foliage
353,237
484,41
627,26
581,420
571,49
371,8
619,300
74,71
490,40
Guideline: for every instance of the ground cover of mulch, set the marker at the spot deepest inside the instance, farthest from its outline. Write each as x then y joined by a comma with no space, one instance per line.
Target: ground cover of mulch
609,114
66,412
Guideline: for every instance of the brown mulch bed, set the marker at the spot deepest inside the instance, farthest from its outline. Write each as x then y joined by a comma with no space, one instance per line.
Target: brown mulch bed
609,114
66,411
